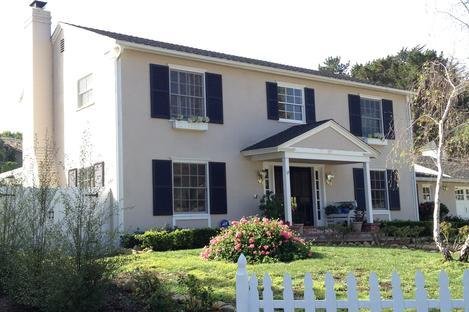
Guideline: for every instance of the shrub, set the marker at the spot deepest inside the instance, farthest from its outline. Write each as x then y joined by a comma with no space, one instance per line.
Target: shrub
130,240
260,240
199,298
271,206
426,211
157,240
169,239
152,293
202,236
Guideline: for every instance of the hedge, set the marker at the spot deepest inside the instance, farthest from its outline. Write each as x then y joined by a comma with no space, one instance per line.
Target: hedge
427,225
174,239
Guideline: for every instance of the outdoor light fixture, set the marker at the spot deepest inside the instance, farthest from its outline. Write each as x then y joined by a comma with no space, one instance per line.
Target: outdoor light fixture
444,187
261,174
329,178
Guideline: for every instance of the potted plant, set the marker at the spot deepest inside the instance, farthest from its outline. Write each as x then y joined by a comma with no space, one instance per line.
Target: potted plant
331,209
271,206
359,217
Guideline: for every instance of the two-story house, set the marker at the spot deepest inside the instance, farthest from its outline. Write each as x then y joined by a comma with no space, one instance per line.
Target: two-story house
189,137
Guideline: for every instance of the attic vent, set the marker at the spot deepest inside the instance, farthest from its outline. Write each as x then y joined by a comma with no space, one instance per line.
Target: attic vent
62,45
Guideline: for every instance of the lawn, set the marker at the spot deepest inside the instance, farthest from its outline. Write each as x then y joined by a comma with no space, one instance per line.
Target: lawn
338,260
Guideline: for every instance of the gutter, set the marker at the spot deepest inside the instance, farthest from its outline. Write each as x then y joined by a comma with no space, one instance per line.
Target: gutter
265,69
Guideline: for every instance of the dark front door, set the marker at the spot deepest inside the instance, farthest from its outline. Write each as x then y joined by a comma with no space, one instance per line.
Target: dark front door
301,193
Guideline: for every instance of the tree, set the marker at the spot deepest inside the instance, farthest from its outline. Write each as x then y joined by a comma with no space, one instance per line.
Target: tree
333,65
440,91
401,70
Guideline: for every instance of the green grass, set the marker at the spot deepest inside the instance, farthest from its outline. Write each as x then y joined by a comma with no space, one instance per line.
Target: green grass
337,260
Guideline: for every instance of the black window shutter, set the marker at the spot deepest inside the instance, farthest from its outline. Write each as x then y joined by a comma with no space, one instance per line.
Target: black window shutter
214,97
359,187
393,190
217,182
272,100
162,188
355,114
310,109
388,119
159,88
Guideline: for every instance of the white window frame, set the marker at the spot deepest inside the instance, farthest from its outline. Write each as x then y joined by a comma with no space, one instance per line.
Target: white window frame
191,216
80,94
374,98
303,110
464,193
386,193
192,70
429,192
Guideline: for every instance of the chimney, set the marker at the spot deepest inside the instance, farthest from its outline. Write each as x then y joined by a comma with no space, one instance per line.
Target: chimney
37,101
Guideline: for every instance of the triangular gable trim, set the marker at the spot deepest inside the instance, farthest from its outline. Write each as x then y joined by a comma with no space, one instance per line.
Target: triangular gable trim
335,126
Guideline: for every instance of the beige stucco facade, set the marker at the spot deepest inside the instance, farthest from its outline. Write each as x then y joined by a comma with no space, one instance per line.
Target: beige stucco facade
447,195
245,123
117,128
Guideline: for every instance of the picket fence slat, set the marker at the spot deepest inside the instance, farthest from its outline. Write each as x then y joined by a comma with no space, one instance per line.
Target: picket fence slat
248,300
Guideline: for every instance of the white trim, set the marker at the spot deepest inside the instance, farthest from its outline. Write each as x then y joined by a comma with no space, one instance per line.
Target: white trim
267,69
429,191
371,97
375,141
293,121
290,85
303,104
187,68
336,127
449,180
189,160
185,217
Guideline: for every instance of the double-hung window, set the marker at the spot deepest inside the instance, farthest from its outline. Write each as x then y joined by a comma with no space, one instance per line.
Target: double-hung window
186,94
190,187
426,193
290,104
378,189
371,117
85,91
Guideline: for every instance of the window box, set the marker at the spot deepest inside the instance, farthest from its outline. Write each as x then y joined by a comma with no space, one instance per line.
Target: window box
375,141
187,125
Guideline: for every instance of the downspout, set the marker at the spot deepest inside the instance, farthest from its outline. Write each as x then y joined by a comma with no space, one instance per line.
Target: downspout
119,147
412,171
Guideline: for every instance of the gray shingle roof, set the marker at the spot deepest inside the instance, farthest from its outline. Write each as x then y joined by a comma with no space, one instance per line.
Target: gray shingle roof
451,168
224,56
285,136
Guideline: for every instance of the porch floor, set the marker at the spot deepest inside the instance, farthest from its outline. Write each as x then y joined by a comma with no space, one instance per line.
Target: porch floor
323,235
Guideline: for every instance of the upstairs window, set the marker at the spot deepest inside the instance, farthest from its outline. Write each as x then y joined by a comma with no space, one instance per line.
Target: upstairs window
190,187
85,91
426,193
371,117
186,94
290,104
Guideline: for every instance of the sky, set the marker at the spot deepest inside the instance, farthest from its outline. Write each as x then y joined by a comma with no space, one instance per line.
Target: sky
294,32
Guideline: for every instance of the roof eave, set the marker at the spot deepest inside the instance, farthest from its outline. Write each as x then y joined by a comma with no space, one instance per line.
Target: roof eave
214,60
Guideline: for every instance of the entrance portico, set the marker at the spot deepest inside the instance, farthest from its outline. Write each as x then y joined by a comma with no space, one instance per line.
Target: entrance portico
324,142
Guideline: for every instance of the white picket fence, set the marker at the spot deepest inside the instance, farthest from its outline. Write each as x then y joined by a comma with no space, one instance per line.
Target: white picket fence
247,294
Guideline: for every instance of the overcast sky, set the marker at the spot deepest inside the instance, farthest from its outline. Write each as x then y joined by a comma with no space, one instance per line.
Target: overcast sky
301,33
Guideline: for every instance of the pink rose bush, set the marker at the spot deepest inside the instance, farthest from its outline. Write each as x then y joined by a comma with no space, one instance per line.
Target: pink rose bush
260,240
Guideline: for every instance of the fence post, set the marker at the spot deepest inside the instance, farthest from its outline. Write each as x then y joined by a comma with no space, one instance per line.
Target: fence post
242,286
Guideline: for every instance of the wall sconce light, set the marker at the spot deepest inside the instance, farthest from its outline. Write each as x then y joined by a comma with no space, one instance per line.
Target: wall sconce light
261,174
329,178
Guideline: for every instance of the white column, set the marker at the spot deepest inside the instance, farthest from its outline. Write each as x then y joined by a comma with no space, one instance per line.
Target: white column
286,189
366,175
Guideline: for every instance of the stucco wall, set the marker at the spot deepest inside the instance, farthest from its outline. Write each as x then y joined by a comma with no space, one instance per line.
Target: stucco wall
90,129
245,123
447,194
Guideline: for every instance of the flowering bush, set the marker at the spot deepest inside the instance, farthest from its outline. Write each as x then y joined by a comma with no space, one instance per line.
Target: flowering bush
260,240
